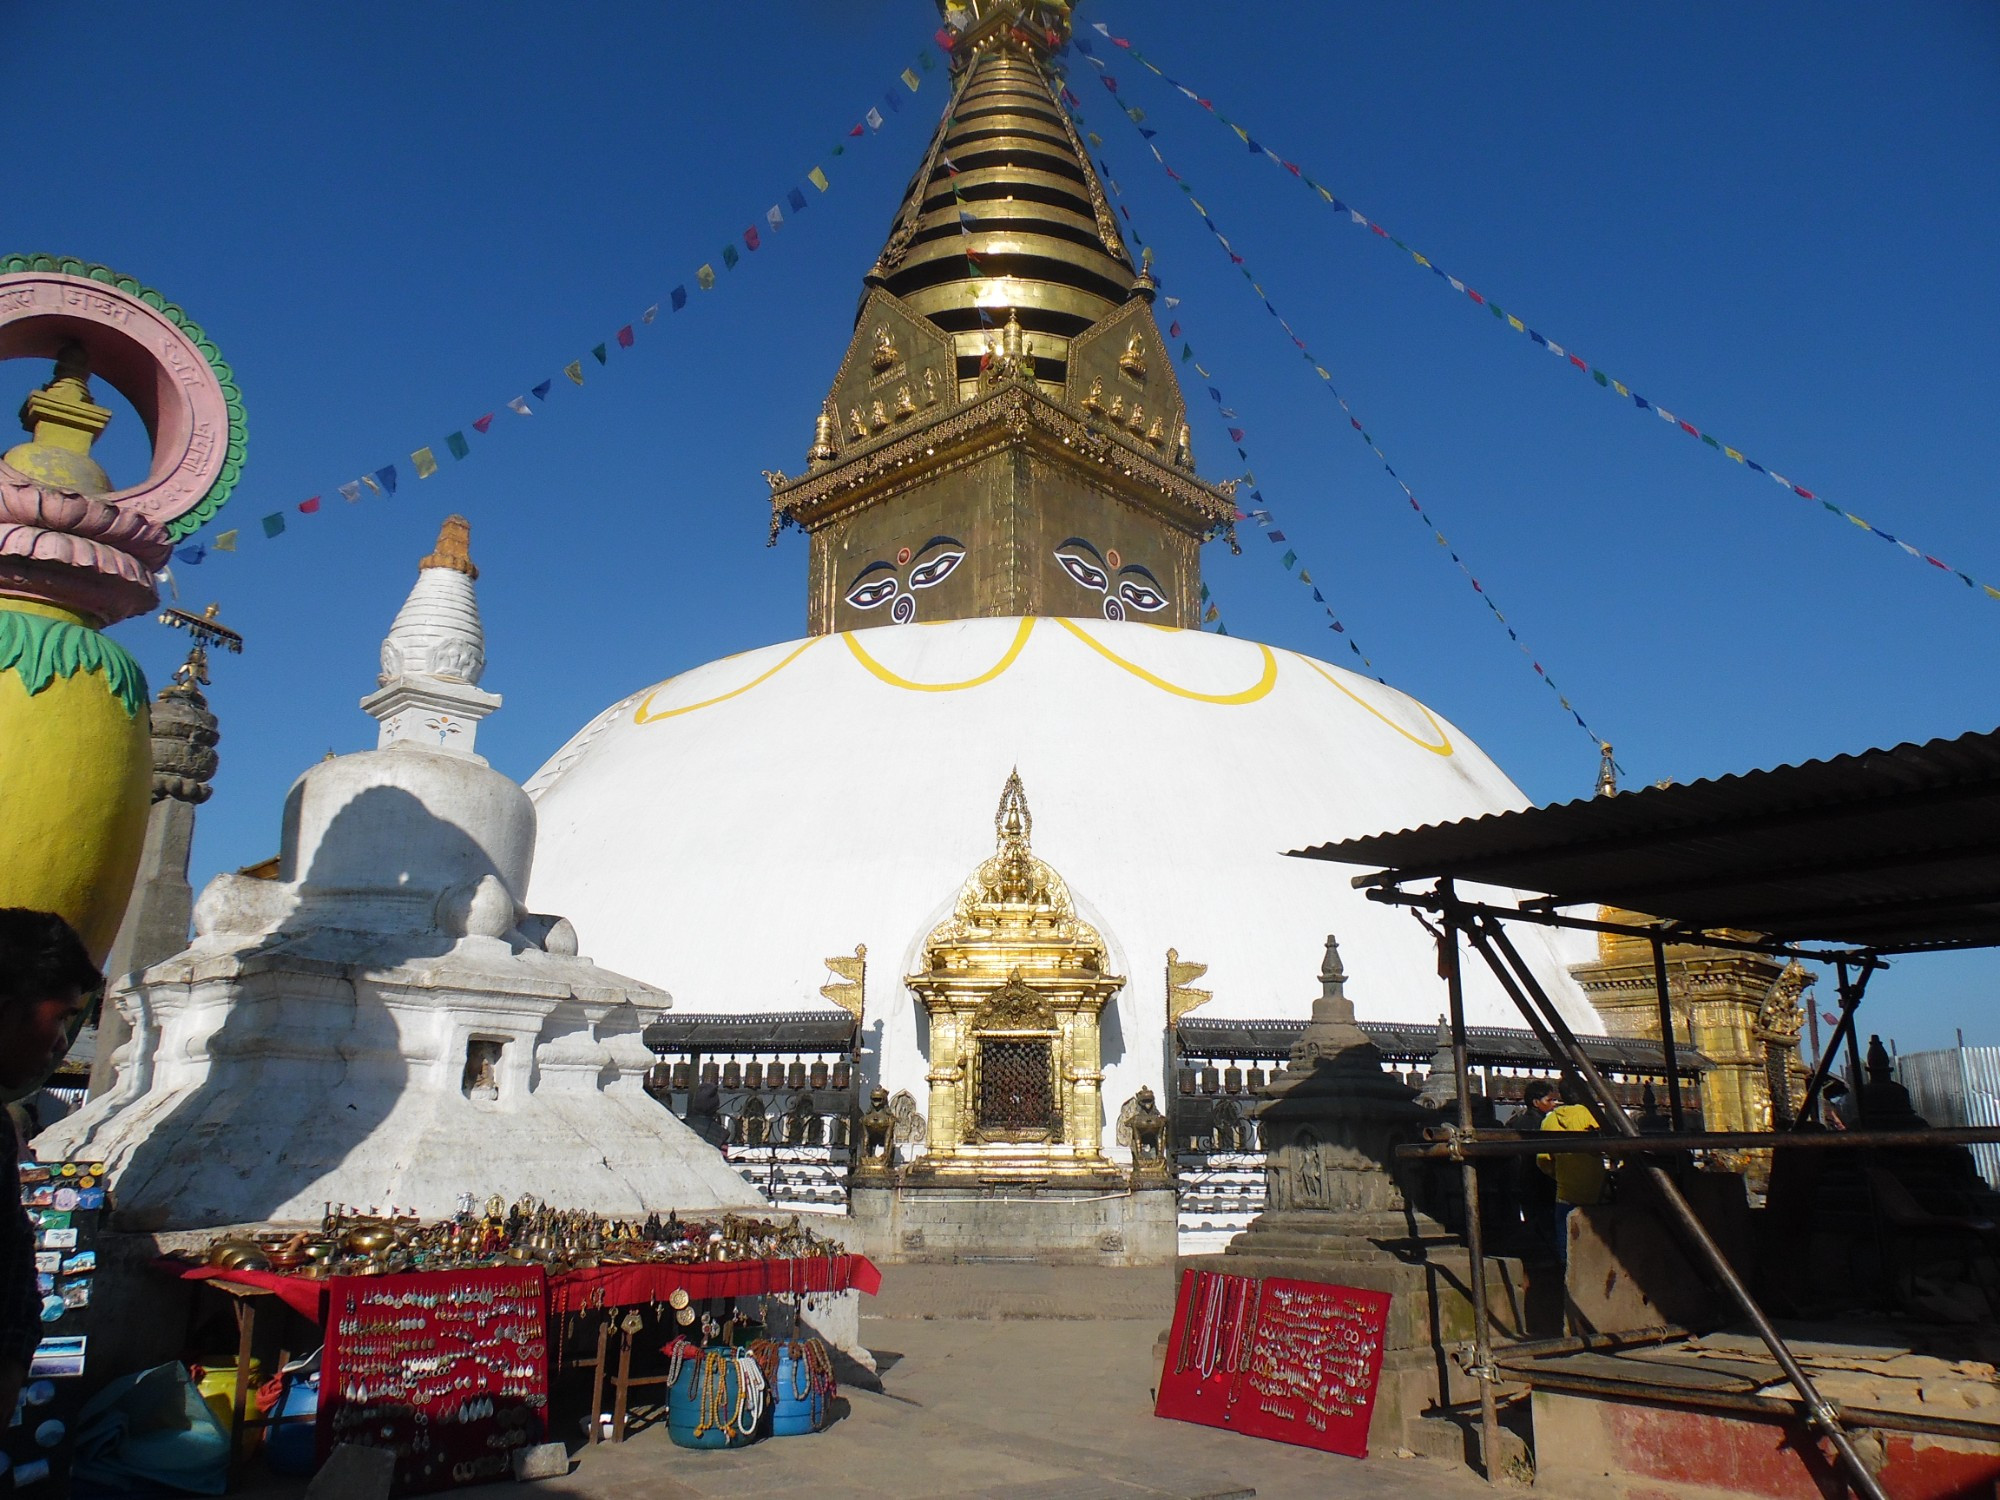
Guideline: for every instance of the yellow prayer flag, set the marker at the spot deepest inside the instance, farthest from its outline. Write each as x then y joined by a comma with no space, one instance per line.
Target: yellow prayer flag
1241,132
426,462
1413,254
1857,520
1197,204
817,178
705,278
910,80
1620,388
1987,586
1734,454
1324,193
574,369
226,542
1321,373
1516,324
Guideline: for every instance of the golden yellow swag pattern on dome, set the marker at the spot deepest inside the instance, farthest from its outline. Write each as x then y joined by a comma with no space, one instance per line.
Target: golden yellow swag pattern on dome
1261,688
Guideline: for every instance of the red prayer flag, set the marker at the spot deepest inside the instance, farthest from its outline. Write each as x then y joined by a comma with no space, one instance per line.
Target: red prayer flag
483,423
309,506
1689,429
1174,329
625,337
1236,434
1809,495
855,131
750,238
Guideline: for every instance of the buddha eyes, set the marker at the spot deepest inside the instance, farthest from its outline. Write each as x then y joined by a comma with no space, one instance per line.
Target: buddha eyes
936,570
1087,574
1139,596
869,595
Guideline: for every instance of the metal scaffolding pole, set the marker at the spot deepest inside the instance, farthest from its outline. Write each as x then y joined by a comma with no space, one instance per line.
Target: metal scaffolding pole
1521,984
1667,1029
1475,1232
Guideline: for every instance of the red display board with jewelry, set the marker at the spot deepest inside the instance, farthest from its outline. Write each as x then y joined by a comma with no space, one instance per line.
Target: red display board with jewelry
448,1370
1297,1361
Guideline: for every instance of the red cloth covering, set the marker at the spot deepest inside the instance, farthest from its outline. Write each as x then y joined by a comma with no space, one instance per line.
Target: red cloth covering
609,1286
626,1286
301,1293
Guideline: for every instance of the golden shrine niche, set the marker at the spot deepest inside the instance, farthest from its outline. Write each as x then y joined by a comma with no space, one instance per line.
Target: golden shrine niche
1015,984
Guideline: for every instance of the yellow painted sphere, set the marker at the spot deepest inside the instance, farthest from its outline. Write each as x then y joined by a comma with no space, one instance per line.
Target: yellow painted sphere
75,770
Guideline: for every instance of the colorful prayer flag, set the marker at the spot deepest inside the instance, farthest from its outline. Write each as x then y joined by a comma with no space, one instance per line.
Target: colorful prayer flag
386,477
911,81
679,298
520,404
705,278
1276,536
817,178
541,392
599,353
574,369
650,313
483,423
426,462
458,445
750,237
373,487
192,555
773,217
309,507
797,200
1290,559
351,491
226,541
273,524
625,337
729,257
874,119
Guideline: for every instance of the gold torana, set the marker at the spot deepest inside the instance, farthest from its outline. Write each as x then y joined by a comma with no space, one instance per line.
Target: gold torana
1014,983
1005,435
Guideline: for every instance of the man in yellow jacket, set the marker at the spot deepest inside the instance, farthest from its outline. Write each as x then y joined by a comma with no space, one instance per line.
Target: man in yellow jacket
1579,1175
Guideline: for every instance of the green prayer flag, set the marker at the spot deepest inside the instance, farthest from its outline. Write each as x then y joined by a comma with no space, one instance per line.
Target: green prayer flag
599,352
730,257
1187,353
456,442
273,524
1290,559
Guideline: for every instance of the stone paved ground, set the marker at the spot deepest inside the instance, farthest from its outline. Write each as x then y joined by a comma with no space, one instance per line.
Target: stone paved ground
1027,1382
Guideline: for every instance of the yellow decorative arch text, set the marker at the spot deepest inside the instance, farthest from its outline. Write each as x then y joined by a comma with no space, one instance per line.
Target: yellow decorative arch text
1006,661
1443,747
645,714
1251,694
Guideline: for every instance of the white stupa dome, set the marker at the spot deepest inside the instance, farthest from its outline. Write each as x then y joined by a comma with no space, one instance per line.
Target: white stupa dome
722,833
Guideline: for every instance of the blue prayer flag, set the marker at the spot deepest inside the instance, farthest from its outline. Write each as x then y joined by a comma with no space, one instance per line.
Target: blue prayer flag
386,477
679,299
541,392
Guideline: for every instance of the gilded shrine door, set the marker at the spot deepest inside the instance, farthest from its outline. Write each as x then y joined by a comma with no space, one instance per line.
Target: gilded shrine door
1016,1089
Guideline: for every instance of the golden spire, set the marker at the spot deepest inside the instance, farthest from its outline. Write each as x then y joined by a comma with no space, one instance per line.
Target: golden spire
62,422
1607,772
454,548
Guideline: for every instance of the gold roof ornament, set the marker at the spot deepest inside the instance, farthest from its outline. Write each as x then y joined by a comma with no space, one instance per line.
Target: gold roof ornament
1607,771
62,422
453,549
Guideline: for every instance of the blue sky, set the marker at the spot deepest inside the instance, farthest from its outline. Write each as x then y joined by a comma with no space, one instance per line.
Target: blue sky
1777,220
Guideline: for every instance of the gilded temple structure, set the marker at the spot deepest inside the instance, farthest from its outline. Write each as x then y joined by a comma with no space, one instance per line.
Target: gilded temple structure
1006,402
1014,983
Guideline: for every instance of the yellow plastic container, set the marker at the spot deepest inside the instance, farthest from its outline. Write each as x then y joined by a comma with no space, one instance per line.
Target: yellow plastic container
217,1384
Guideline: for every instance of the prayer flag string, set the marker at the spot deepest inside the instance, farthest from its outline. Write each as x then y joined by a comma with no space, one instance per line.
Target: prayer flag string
423,462
1260,512
1353,418
1534,336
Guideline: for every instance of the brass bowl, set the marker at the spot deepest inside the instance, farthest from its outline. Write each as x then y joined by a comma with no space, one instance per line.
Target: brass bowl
238,1255
369,1239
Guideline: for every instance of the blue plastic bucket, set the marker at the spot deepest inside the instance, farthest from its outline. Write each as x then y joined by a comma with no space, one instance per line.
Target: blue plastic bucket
290,1437
793,1415
684,1408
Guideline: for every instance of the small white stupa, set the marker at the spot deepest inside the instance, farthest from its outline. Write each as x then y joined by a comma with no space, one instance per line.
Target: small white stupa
384,1022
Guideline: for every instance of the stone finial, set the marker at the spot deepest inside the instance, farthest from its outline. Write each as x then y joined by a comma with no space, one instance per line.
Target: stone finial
1331,1028
62,422
1333,1003
435,653
185,734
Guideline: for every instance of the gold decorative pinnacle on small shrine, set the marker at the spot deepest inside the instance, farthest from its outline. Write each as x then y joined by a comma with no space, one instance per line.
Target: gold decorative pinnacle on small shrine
1014,983
453,549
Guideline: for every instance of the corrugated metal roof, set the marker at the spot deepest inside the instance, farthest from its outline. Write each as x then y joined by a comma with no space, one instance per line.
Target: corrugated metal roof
1895,849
